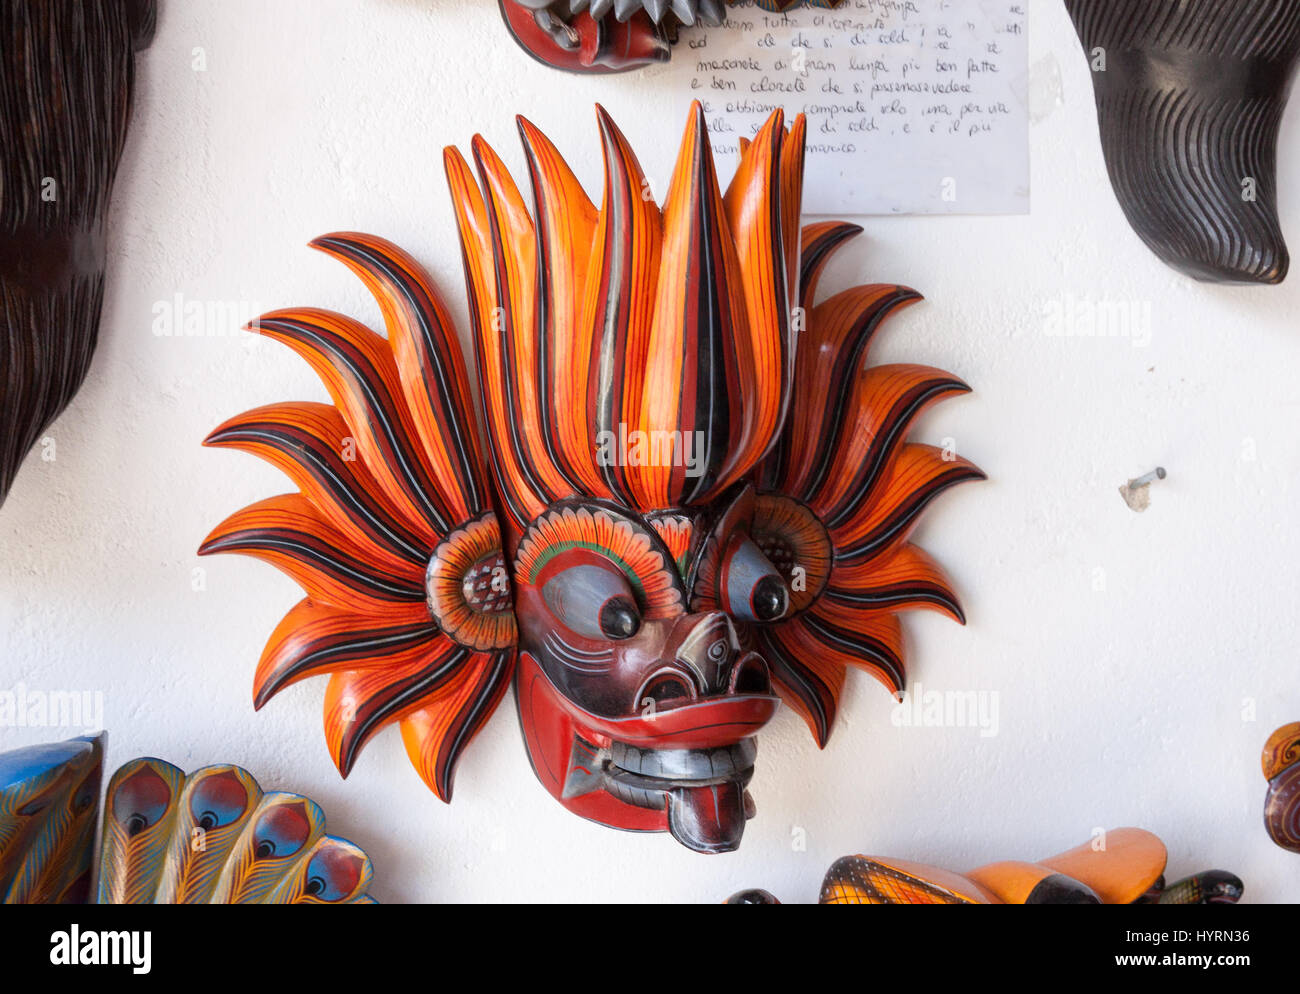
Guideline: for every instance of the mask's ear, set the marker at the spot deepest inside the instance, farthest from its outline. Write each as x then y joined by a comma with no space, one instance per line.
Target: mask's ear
142,16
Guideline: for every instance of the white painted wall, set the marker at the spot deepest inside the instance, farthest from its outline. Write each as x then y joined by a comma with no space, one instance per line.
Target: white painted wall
1117,707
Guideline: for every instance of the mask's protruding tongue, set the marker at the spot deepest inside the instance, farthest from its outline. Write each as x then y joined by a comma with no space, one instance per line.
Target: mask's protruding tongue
708,819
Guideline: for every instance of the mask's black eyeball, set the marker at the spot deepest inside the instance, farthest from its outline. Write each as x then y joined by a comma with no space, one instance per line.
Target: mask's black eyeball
751,588
770,599
619,618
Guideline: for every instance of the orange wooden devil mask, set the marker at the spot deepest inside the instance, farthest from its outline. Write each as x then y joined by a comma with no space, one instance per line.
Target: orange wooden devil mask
684,494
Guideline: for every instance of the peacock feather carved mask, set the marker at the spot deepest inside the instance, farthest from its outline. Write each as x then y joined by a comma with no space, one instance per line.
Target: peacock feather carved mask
213,837
685,497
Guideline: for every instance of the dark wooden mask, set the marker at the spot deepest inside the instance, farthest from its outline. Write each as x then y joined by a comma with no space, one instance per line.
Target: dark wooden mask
67,71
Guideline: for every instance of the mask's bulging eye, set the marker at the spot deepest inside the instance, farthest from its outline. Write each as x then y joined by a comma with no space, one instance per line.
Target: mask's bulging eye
750,588
594,601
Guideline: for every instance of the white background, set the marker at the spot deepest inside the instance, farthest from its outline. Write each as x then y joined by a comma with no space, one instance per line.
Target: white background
1117,707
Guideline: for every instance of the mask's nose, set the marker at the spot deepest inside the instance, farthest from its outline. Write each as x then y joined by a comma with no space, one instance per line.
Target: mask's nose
706,649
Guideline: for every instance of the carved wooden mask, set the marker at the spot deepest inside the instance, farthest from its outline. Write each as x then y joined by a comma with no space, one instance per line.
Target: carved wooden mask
1191,95
257,847
686,494
67,70
602,36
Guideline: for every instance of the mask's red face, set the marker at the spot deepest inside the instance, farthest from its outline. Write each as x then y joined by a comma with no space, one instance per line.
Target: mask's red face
638,690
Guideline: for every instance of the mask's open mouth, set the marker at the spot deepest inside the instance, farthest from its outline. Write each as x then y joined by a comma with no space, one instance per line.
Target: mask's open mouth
684,764
702,790
681,767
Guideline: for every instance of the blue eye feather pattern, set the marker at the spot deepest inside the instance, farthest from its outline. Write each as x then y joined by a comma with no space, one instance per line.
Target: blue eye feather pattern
210,817
138,816
213,837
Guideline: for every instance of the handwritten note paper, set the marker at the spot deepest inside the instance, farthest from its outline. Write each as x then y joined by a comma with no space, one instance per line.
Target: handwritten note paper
914,106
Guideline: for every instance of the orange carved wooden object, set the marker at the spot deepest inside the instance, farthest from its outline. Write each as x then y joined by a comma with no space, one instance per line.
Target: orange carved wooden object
1122,866
685,492
1281,762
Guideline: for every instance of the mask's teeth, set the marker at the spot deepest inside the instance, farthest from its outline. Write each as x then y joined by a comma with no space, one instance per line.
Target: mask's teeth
656,9
687,11
623,9
711,12
686,764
